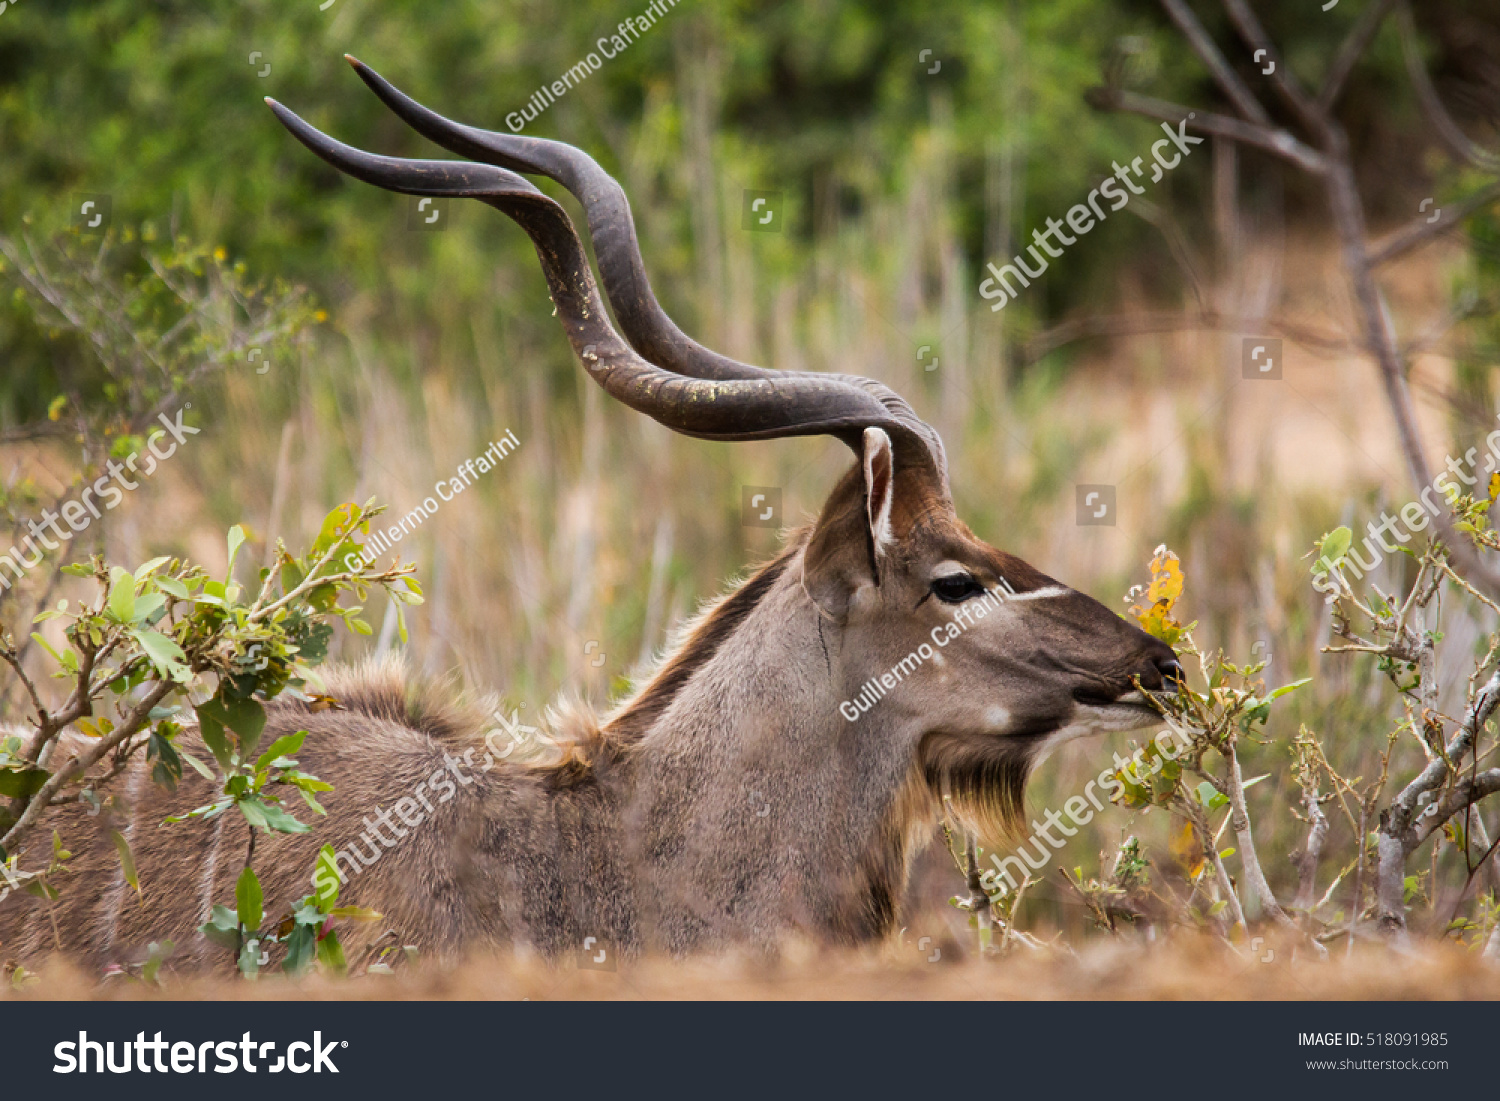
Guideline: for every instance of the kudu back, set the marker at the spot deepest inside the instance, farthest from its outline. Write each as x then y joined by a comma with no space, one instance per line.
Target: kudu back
778,773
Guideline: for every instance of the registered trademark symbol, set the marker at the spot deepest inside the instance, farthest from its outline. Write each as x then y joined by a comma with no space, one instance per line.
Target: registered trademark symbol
343,1043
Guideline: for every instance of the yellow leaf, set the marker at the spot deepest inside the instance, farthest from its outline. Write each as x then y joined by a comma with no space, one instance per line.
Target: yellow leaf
1166,578
1157,623
1181,842
1494,487
1155,612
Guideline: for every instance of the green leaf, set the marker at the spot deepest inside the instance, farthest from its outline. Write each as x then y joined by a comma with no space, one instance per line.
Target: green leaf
212,731
246,717
326,878
222,928
40,641
122,597
307,913
173,586
164,654
1333,546
331,954
156,955
203,769
236,541
254,811
356,913
337,527
127,860
1285,688
279,820
208,810
168,768
247,898
284,746
301,949
249,961
149,568
1210,798
22,783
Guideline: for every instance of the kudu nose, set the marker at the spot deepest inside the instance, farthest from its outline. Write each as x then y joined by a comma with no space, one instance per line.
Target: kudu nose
1161,671
1171,670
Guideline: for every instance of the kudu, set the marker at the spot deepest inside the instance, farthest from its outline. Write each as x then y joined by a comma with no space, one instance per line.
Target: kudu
729,800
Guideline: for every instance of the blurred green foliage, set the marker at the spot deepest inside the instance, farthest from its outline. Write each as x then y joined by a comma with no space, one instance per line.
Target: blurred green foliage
159,106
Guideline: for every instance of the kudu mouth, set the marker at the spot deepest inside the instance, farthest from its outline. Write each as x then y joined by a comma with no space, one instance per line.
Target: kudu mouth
1160,674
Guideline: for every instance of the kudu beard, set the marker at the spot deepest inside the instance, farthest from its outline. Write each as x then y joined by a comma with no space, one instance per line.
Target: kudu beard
998,882
968,613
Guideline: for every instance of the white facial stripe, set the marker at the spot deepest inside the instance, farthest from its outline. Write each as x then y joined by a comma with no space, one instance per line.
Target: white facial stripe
1038,594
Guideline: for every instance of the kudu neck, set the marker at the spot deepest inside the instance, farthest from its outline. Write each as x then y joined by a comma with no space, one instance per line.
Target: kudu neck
751,777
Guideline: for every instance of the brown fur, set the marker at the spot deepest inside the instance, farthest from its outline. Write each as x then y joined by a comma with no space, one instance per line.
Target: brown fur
730,800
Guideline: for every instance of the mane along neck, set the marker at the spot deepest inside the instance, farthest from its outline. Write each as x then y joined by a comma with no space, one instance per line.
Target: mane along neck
696,645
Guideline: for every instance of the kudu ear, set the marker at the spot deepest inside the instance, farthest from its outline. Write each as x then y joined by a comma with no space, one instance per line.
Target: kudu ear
854,535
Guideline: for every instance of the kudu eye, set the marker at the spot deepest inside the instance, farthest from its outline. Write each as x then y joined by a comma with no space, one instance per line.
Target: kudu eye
956,588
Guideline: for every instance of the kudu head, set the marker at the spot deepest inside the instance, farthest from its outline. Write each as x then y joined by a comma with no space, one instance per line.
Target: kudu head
890,569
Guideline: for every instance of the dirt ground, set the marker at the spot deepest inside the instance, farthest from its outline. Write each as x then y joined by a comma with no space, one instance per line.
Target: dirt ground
1183,971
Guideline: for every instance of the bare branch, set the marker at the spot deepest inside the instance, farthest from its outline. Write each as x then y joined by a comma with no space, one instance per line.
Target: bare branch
1224,75
1282,78
1402,830
979,901
13,660
1239,817
1307,859
1177,243
1351,50
1138,324
1459,143
1420,230
1460,797
1269,137
36,430
76,767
